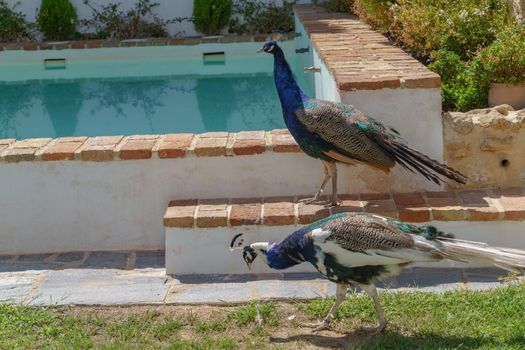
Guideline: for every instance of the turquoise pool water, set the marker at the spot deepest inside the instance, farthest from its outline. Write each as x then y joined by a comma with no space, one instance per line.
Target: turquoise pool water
58,105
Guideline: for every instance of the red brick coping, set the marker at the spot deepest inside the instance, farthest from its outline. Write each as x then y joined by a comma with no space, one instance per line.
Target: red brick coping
480,205
358,57
108,148
96,44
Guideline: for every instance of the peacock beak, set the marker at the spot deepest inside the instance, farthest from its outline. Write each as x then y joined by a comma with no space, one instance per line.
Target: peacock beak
249,264
260,50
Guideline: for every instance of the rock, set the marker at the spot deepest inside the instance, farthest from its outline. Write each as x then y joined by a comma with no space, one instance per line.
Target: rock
459,149
495,143
504,109
487,145
460,122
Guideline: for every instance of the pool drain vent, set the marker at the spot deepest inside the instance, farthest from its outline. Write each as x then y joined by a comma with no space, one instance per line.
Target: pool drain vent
55,63
302,50
213,58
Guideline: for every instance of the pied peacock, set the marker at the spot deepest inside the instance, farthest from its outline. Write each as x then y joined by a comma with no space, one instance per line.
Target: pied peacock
338,132
359,248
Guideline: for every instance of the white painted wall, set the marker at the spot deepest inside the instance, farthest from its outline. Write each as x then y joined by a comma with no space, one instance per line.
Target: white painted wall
76,205
415,113
168,9
206,251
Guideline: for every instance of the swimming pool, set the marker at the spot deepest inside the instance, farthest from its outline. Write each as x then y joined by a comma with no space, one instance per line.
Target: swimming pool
127,91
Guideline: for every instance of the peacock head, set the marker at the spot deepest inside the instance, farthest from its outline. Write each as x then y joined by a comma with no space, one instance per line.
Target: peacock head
270,47
250,252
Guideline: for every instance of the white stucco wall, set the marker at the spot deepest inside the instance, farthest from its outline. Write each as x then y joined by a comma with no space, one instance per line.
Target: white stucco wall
206,251
415,113
167,9
76,205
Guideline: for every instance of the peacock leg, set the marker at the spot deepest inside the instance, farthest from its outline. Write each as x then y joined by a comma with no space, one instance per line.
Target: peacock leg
332,171
371,291
327,176
340,295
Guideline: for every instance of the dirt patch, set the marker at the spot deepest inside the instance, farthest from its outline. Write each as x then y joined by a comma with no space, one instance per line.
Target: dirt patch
284,334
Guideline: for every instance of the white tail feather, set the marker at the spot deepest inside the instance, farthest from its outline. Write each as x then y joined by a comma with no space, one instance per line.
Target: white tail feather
505,258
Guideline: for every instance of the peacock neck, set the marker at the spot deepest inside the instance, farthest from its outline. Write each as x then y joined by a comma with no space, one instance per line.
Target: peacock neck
290,94
293,250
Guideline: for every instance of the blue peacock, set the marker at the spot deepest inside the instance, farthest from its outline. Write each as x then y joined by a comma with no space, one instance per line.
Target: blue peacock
337,132
359,248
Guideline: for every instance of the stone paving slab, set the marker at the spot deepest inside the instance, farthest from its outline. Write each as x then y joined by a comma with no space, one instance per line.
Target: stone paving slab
70,257
16,286
123,278
149,259
100,287
111,260
34,266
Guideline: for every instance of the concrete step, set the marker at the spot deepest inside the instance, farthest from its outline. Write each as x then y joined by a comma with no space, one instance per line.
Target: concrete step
198,232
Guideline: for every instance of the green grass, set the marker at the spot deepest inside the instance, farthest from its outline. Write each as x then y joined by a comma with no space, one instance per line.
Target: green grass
246,314
452,320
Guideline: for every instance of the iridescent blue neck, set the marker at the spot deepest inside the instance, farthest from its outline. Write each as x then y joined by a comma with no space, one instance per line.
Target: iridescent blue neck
293,250
290,93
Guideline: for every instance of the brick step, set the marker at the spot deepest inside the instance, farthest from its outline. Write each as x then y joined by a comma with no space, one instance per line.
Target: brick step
479,205
198,232
108,148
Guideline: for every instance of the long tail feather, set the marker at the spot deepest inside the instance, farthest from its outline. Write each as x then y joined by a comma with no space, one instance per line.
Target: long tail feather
410,158
505,258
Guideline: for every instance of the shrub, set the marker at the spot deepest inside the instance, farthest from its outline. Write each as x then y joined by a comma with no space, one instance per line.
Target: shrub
463,84
377,13
210,16
504,60
57,19
339,5
256,17
461,26
13,24
139,22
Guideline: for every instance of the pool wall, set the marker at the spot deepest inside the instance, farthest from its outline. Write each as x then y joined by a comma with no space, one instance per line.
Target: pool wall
153,60
111,193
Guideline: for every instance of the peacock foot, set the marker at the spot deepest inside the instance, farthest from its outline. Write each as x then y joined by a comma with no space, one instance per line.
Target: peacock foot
332,203
317,326
320,201
313,200
374,330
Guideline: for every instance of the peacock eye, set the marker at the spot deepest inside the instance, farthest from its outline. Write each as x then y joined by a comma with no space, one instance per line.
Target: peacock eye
271,48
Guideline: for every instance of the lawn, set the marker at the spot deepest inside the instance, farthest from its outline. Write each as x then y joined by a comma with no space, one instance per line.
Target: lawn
452,320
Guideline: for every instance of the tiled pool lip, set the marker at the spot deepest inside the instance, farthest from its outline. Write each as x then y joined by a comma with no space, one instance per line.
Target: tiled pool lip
358,57
109,148
479,205
110,43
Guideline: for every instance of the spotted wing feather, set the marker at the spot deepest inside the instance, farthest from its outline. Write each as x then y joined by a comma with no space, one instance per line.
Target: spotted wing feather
362,232
353,135
341,126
